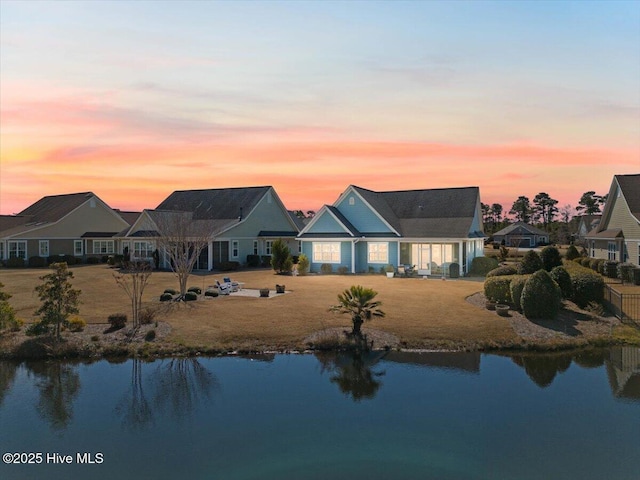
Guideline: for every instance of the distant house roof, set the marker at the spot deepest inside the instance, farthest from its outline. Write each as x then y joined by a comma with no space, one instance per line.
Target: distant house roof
300,222
129,217
440,212
215,204
520,225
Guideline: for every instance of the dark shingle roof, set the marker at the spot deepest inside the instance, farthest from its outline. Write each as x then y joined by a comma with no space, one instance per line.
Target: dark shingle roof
129,217
53,208
215,204
525,226
630,186
441,212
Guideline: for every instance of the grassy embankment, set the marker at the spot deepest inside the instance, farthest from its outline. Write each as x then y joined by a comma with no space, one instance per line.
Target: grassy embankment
421,313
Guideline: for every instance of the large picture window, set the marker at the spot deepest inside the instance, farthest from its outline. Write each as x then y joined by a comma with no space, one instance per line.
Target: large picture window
143,249
326,252
378,252
18,249
103,246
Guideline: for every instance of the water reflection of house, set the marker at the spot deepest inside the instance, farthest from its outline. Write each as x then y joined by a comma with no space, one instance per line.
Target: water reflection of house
468,362
623,369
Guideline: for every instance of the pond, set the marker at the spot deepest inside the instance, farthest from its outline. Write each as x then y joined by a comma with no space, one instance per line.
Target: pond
374,416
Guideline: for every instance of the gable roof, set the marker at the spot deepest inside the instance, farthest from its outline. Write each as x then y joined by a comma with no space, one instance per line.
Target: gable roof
54,207
630,186
215,204
129,217
530,228
442,212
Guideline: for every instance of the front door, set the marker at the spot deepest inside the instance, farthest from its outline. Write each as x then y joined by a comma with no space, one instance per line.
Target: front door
421,257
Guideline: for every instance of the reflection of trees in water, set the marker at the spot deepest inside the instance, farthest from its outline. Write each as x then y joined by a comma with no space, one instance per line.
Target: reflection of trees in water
59,384
352,372
176,387
542,368
134,406
181,383
8,371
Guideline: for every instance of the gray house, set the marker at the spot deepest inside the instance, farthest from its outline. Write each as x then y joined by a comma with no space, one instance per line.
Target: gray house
521,235
365,230
238,222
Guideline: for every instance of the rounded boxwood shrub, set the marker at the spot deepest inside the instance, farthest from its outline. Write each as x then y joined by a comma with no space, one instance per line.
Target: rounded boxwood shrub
625,272
541,297
501,271
211,293
497,289
531,263
166,297
303,264
515,289
611,269
196,290
190,296
117,320
572,253
36,262
585,261
550,257
93,260
326,268
480,266
170,291
15,262
563,279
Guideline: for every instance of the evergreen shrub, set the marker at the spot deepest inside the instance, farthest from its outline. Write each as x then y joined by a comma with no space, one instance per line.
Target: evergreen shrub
497,289
551,258
480,266
531,263
541,297
504,270
563,279
515,289
572,253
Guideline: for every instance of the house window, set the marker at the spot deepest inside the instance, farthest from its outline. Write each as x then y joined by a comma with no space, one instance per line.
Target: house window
43,248
1,250
593,249
143,249
326,252
299,246
352,201
267,247
638,263
18,249
77,248
235,249
378,252
103,246
255,247
611,251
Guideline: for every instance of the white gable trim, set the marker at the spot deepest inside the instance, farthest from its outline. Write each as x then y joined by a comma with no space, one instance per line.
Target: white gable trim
319,214
375,212
143,217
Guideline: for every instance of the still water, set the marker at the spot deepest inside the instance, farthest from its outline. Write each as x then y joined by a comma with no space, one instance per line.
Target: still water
376,416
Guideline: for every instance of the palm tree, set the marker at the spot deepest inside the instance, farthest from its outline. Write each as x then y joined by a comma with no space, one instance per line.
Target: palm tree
358,302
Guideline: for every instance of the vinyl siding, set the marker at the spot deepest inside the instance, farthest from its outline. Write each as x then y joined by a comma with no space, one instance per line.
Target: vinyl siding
621,218
345,256
266,216
361,216
326,224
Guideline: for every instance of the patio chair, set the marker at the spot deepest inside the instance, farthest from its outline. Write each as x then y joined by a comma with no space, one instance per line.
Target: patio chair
224,288
234,285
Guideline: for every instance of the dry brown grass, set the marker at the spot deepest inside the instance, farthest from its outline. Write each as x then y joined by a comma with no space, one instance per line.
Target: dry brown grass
421,313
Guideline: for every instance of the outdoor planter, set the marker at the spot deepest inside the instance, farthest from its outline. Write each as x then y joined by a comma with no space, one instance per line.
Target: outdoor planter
264,292
279,289
502,310
490,304
389,274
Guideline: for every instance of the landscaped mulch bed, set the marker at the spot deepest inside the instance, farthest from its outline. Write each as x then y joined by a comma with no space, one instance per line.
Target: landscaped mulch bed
572,323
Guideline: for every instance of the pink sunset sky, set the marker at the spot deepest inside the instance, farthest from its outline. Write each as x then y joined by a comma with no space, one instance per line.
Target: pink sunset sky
133,100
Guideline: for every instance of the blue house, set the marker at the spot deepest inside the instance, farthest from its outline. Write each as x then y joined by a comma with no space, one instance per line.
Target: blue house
366,230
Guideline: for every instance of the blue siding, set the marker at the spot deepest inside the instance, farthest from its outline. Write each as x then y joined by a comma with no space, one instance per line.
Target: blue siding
362,257
326,224
361,216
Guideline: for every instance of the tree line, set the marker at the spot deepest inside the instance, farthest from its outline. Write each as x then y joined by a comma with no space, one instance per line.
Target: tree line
542,211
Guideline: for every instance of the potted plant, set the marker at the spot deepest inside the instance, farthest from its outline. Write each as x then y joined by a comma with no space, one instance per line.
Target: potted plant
264,292
390,271
502,310
279,288
490,304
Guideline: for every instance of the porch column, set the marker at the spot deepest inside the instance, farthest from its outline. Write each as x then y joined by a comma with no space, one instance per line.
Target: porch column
461,255
210,255
353,256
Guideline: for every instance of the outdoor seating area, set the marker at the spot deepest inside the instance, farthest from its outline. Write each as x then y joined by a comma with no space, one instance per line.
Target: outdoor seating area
227,286
406,270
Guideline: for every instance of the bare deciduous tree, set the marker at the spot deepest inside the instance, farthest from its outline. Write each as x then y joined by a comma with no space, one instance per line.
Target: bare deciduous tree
133,278
181,240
